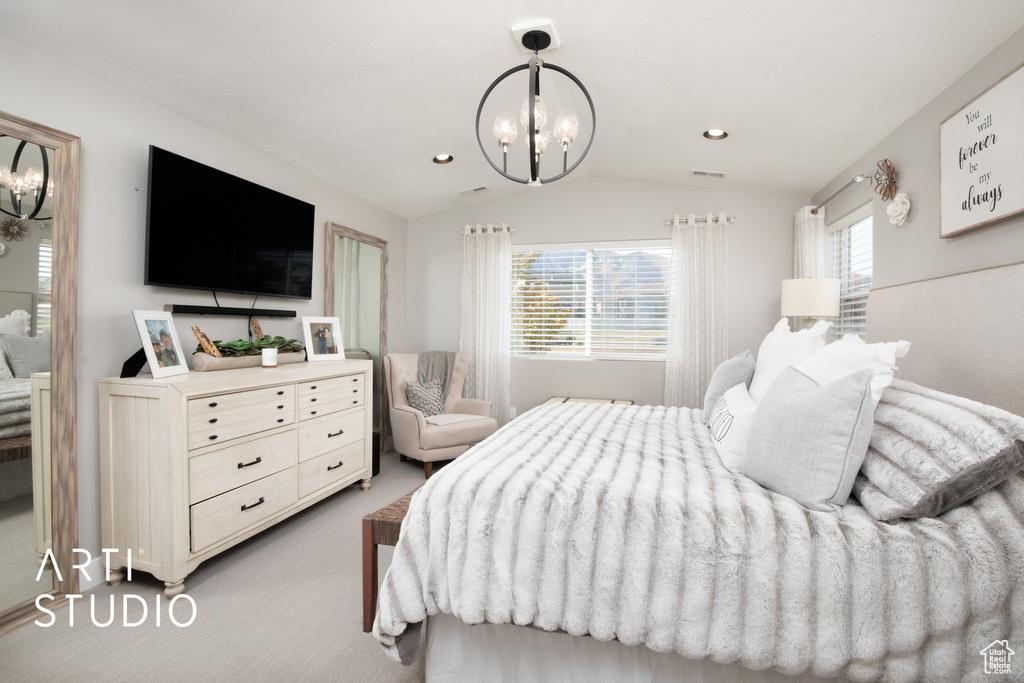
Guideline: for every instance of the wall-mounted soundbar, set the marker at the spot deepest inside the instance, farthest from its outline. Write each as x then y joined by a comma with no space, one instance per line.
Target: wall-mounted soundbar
186,309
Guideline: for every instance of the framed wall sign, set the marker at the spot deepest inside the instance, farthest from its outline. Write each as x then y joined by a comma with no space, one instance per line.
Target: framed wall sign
981,147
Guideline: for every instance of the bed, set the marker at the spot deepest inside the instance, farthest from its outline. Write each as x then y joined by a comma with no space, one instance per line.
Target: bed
15,413
621,523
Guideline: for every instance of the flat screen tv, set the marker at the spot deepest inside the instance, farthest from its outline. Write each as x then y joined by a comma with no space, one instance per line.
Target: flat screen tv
207,229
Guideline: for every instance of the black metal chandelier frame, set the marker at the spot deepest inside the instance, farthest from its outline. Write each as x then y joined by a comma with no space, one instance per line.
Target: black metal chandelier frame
536,41
16,200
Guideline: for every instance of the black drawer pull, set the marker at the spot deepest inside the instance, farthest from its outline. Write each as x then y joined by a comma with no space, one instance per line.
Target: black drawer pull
337,433
312,400
355,402
250,507
212,437
213,405
249,464
355,391
312,412
280,393
313,387
280,407
355,379
334,467
280,419
212,420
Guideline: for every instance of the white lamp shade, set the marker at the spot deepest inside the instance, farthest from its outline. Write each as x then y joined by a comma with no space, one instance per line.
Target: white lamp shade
811,297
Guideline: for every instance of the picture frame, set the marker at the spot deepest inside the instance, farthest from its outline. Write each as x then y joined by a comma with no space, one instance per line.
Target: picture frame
160,343
323,338
981,177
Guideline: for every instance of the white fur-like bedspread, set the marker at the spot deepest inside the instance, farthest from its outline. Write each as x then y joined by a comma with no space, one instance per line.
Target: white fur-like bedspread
621,522
15,407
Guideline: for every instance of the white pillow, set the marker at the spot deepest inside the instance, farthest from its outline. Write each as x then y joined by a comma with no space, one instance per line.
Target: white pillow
16,322
850,354
730,424
782,348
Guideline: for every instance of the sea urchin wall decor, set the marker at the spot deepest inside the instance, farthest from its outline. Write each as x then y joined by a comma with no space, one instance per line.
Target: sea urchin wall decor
13,229
886,180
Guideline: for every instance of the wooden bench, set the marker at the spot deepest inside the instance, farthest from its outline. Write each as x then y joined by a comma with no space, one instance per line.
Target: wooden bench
379,528
572,399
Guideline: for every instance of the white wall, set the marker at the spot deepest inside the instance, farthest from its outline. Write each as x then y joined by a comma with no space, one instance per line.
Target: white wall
595,209
914,250
116,129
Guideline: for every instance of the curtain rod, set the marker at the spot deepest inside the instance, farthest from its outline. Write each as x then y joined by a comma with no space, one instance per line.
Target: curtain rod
856,179
700,219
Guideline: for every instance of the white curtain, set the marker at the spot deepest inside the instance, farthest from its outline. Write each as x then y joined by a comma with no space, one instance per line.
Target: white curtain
698,320
346,289
485,331
809,240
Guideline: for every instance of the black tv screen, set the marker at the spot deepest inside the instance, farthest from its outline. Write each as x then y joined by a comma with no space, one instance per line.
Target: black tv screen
207,229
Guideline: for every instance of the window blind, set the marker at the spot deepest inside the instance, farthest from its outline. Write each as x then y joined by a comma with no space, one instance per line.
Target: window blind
590,302
43,294
852,264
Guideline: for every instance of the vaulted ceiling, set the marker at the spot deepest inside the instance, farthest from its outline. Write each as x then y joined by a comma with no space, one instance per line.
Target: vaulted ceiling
363,94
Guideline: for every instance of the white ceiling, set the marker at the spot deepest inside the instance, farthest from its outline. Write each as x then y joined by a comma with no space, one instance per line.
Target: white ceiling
363,94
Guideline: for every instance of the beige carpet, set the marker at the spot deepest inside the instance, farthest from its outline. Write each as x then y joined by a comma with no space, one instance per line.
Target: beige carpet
19,562
285,605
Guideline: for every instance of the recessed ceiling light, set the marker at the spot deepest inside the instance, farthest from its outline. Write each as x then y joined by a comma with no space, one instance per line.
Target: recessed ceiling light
715,134
443,159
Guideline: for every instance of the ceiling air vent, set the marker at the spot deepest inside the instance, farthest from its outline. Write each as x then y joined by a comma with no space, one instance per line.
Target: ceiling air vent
472,191
708,174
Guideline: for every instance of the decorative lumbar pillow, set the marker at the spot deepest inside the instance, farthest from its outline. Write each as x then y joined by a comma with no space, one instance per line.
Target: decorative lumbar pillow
931,451
782,348
730,424
16,322
807,441
850,354
26,355
730,373
428,397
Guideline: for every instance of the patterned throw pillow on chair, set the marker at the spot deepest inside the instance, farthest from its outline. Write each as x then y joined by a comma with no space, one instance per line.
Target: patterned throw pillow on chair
428,398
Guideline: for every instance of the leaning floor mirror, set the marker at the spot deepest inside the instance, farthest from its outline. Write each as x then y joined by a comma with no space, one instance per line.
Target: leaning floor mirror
39,172
357,294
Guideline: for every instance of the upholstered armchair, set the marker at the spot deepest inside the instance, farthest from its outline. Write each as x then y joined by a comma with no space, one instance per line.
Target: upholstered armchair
464,423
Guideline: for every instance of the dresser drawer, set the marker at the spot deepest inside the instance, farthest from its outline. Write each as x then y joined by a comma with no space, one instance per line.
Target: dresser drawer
215,472
324,470
323,434
331,395
228,416
217,518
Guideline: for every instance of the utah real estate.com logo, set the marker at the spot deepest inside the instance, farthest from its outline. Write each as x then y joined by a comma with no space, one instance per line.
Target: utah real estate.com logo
126,598
997,657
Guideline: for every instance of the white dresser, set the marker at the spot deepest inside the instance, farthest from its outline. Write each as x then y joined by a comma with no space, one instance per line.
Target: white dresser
190,465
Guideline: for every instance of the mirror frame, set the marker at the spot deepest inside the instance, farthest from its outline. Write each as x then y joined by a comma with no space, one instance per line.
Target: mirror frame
337,230
63,360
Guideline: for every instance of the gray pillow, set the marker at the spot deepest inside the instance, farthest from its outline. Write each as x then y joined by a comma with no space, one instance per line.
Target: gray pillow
807,441
428,397
26,355
727,375
931,451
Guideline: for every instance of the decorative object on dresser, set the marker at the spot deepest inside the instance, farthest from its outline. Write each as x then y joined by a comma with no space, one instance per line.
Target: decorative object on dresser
194,464
464,422
218,355
160,343
323,338
980,148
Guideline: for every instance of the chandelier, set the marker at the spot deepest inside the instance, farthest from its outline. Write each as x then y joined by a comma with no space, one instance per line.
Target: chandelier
33,184
533,115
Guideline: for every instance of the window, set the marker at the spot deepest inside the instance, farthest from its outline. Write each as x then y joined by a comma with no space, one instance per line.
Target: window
45,279
852,263
607,301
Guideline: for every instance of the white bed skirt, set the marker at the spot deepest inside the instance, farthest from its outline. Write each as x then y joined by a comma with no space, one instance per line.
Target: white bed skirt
489,653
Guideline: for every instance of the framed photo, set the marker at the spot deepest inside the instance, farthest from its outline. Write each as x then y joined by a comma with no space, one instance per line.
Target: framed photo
981,177
323,338
160,342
